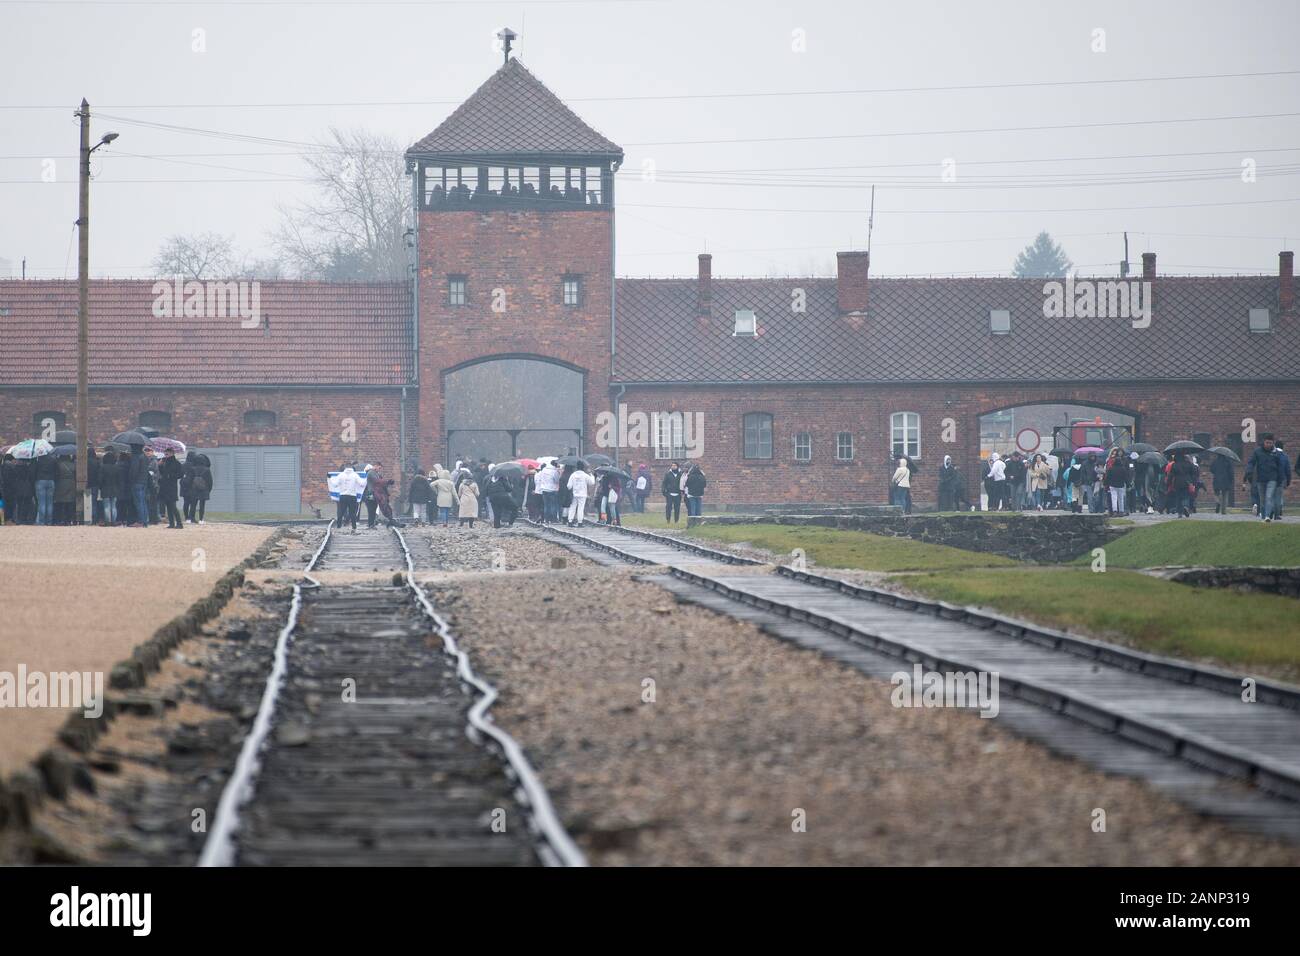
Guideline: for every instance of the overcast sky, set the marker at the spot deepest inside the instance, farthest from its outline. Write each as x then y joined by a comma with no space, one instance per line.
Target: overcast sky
638,70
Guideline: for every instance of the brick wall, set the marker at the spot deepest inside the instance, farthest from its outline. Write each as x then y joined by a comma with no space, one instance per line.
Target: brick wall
525,253
312,419
1164,413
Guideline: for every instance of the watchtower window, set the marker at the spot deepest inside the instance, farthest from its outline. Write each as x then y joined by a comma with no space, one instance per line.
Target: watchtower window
571,290
460,187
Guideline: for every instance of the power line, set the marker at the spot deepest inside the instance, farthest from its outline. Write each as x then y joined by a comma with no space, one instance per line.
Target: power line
673,97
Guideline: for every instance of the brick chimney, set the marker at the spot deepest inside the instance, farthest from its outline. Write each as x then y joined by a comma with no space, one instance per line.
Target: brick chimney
1148,265
704,286
852,269
1286,282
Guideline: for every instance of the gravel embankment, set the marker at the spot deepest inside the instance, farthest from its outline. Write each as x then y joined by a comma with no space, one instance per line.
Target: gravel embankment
746,730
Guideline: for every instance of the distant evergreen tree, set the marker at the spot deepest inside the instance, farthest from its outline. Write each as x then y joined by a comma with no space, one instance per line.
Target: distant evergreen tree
1041,258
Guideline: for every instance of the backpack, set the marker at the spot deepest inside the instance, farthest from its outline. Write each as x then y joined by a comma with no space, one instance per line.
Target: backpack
201,483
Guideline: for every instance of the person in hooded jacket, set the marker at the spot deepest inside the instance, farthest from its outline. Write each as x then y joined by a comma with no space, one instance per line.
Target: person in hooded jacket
350,487
1117,481
1180,479
695,485
1040,480
65,490
112,480
446,493
170,473
467,501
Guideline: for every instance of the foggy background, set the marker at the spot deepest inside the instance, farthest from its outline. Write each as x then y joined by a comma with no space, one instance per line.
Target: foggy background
770,184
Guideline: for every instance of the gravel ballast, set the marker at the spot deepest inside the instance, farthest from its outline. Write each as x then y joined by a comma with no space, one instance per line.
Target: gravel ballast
747,735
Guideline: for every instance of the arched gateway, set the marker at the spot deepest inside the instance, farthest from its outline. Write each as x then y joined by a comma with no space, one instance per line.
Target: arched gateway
502,408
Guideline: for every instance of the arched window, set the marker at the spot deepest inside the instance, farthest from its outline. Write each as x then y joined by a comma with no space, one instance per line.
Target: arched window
45,424
758,435
259,420
905,428
159,420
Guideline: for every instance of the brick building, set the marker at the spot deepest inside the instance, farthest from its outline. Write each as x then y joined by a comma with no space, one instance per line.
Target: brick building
518,339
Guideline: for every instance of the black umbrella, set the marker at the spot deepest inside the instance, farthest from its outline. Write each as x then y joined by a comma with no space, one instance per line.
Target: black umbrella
1153,458
65,451
130,438
198,458
508,467
570,461
65,436
1142,447
117,446
1227,453
597,460
148,432
618,473
1184,445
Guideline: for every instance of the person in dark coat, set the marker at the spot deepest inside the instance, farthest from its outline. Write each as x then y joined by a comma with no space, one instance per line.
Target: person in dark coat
502,497
1116,478
421,498
1180,478
196,501
137,483
112,484
947,477
92,483
20,490
170,473
151,492
1223,474
671,488
380,489
1265,473
65,489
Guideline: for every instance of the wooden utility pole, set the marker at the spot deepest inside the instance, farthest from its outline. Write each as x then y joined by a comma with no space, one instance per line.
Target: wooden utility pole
83,319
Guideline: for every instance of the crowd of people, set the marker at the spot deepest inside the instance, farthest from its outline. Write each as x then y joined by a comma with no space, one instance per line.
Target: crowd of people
564,490
1117,482
130,486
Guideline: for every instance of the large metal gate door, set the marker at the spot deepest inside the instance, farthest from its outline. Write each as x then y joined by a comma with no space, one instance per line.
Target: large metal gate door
255,479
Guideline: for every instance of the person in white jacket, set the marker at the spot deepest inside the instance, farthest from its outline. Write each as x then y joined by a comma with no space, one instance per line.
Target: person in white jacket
901,482
580,485
350,487
547,484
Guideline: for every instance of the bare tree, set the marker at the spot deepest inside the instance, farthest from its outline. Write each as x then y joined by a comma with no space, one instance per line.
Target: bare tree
354,225
205,255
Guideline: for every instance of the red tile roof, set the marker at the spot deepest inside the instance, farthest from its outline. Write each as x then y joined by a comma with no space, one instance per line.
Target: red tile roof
312,333
514,113
919,330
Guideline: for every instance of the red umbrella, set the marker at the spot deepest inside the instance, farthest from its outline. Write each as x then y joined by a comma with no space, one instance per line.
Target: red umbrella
529,462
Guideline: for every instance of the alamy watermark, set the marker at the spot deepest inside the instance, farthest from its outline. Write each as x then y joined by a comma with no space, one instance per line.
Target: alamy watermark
83,690
1098,299
224,299
677,434
922,688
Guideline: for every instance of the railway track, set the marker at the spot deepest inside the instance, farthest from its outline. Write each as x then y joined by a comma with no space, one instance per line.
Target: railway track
372,744
1181,726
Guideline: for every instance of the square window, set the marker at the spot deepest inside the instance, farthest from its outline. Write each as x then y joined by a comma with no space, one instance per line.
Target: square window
1261,320
844,446
803,447
1000,321
456,290
746,323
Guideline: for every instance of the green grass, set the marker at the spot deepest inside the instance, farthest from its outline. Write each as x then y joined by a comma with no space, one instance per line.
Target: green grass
1223,543
1255,631
833,548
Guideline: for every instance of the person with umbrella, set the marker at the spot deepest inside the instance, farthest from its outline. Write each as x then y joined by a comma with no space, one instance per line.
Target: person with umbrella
45,470
170,473
20,489
610,492
1222,475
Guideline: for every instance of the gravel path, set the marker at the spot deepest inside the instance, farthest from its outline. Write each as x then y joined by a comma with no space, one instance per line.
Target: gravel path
745,731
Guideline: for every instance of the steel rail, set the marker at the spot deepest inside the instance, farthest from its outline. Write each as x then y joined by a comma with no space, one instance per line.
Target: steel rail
1263,771
219,848
558,847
